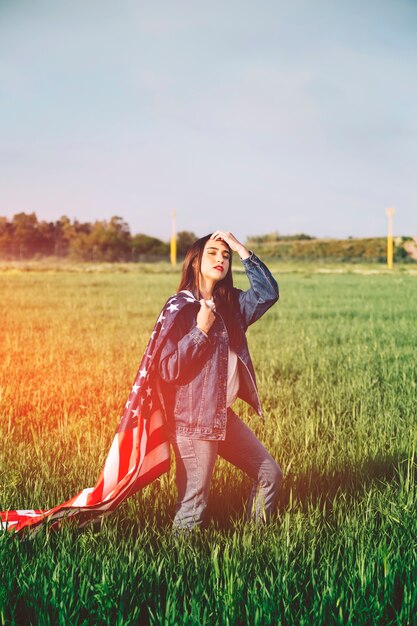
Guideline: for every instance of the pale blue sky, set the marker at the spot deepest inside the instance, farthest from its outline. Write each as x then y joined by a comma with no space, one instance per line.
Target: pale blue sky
248,116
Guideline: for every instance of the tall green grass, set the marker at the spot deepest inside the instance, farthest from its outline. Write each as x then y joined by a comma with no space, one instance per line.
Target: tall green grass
337,377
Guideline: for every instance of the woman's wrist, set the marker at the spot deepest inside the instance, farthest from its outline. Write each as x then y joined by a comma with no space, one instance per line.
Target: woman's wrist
243,252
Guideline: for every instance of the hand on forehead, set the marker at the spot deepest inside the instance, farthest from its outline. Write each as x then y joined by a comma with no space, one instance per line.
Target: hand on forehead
217,239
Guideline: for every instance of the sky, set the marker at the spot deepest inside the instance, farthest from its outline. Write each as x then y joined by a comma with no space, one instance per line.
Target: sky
251,117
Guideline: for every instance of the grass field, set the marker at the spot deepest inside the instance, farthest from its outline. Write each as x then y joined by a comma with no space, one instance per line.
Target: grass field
336,366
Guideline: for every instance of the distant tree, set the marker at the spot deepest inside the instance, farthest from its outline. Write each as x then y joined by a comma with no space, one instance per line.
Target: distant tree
145,245
81,227
24,226
299,237
79,243
64,231
118,240
101,241
44,241
184,240
97,242
6,238
275,236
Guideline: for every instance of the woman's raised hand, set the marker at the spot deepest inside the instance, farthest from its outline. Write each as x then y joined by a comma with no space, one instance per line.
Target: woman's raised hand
205,317
234,244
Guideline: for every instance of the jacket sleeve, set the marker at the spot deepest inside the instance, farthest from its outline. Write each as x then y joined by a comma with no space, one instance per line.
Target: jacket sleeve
182,350
262,293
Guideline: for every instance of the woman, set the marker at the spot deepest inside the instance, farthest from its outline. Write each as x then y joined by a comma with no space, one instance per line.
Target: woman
198,347
204,365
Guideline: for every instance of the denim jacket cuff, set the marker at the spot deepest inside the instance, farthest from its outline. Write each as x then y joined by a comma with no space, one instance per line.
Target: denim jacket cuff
251,259
199,336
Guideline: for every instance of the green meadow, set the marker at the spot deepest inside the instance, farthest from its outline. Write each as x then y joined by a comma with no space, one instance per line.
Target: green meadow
336,368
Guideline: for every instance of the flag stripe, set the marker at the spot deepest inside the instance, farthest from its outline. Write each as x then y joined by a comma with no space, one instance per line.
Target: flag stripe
156,421
135,448
158,436
125,440
153,458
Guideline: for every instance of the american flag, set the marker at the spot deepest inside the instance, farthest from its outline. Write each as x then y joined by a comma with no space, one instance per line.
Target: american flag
139,452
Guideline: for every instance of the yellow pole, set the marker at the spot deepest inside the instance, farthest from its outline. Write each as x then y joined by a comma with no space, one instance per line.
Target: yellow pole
173,241
390,242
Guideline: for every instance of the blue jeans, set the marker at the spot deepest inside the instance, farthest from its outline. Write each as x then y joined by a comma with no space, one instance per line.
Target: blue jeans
195,459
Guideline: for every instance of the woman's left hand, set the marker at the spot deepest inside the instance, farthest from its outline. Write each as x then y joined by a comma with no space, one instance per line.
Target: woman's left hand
232,242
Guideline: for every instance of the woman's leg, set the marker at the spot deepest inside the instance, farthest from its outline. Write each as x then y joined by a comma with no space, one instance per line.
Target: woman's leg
195,460
242,448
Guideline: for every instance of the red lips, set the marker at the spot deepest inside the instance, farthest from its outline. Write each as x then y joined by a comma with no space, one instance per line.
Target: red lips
218,267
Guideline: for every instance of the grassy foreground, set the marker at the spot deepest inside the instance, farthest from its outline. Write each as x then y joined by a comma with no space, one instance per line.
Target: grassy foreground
337,376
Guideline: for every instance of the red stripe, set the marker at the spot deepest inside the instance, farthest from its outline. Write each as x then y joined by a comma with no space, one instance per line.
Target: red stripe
125,442
156,438
97,494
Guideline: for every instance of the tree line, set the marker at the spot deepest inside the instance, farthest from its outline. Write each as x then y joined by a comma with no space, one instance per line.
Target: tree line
305,248
26,237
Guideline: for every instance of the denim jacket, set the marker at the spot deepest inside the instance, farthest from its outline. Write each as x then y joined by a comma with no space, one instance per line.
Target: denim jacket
193,366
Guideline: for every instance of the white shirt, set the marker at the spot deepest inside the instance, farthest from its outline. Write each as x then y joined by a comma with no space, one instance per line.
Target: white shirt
232,378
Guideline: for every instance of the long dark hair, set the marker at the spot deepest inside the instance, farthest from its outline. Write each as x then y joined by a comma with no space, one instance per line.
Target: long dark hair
223,293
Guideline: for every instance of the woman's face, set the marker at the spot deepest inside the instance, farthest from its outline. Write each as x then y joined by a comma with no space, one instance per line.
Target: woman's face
215,260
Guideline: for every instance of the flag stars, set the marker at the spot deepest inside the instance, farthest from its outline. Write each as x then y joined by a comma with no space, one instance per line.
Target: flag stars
143,372
135,413
148,391
160,318
127,404
173,307
135,388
